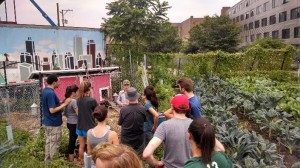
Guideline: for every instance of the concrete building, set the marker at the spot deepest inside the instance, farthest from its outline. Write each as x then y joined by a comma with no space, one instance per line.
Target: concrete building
78,49
267,18
184,27
91,50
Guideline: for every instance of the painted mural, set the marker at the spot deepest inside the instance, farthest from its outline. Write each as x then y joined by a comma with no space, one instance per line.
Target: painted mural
46,48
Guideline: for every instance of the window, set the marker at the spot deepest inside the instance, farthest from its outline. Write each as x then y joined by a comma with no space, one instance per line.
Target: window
295,13
264,22
272,19
275,34
297,32
247,15
256,24
246,38
275,3
266,34
285,1
258,10
245,27
285,33
282,16
242,17
250,25
258,36
233,20
237,19
252,38
265,6
252,13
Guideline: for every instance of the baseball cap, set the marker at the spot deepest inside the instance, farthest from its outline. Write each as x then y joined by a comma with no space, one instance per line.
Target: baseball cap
180,102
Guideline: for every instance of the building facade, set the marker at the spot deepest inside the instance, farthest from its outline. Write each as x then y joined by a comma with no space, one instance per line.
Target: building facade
268,18
184,27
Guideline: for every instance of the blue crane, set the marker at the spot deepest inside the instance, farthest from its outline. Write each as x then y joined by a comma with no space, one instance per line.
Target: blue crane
43,13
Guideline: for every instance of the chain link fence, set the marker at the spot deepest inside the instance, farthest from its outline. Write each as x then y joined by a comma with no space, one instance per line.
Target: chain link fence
20,97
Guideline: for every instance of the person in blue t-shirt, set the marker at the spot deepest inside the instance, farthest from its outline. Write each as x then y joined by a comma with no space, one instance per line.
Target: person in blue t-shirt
186,88
52,117
151,104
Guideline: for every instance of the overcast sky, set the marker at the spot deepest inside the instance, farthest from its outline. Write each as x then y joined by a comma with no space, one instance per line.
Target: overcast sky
89,13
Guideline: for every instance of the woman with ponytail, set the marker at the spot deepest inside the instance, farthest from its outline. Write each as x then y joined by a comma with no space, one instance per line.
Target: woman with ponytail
71,112
151,104
86,121
100,133
206,148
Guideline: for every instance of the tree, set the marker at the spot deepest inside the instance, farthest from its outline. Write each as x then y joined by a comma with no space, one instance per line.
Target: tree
214,33
167,41
269,43
135,21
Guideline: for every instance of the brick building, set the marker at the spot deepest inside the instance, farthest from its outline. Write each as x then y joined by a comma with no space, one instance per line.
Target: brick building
268,18
184,27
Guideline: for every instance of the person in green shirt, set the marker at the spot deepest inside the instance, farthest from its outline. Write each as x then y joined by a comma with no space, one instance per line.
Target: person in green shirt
201,135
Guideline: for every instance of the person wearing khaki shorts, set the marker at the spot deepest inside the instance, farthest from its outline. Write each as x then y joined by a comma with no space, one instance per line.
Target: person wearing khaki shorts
52,117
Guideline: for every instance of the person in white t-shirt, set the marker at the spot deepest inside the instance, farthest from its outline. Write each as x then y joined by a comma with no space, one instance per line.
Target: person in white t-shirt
122,100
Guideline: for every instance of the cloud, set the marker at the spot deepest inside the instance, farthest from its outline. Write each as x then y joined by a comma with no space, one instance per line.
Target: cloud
20,47
91,13
44,42
52,46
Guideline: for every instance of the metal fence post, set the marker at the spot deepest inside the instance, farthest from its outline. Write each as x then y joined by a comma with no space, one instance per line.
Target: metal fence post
8,127
41,88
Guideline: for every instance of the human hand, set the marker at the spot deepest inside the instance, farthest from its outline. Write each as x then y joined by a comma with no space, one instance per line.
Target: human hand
153,129
159,164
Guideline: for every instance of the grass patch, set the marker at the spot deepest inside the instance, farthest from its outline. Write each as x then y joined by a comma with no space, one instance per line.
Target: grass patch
33,152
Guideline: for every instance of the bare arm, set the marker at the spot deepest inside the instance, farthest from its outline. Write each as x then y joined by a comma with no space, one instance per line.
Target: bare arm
219,146
119,98
155,117
89,148
169,113
76,110
56,109
149,150
113,138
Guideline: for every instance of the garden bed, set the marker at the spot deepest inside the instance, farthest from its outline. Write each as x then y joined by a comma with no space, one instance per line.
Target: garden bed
250,125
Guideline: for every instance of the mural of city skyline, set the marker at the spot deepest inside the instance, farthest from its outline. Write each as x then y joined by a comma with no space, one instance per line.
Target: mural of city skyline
47,49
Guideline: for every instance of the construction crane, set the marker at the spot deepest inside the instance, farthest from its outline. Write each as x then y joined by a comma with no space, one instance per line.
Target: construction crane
43,13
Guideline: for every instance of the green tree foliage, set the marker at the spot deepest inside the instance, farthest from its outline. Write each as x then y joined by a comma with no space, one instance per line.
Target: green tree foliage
214,33
167,42
270,43
135,21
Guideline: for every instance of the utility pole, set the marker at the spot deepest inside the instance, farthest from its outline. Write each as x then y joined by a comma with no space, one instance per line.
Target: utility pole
57,9
63,12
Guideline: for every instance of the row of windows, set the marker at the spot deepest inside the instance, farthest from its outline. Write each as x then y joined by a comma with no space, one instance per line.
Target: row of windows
247,3
285,34
262,8
295,13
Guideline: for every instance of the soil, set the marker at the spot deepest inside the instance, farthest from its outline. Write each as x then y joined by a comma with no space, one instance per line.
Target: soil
289,159
32,123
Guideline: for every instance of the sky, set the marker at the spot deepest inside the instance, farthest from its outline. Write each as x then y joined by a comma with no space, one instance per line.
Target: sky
89,13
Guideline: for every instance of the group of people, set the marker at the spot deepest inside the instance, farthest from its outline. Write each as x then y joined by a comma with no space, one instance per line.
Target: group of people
81,111
189,139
